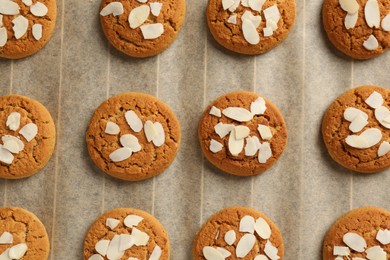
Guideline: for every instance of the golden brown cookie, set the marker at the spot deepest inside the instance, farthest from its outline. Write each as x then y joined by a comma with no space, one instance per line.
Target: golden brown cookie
250,26
363,232
242,133
133,136
124,233
25,26
358,28
27,134
141,28
238,233
22,235
356,129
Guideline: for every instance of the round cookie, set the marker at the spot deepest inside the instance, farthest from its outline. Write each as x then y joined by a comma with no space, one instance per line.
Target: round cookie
35,20
27,134
238,233
142,29
355,131
360,233
251,153
247,27
139,233
133,136
363,39
22,235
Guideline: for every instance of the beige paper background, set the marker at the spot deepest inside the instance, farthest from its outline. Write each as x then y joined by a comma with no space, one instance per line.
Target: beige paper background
304,193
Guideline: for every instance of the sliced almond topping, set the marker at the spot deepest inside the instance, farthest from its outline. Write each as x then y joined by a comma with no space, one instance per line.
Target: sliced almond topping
382,114
102,246
120,154
247,224
268,32
112,128
372,14
371,43
245,3
156,254
241,132
353,258
358,124
342,258
39,9
112,223
5,255
250,33
13,121
235,5
235,146
138,16
5,155
130,141
375,100
142,1
155,8
271,251
271,24
215,111
255,19
140,238
232,19
132,220
252,145
20,26
383,236
114,8
150,130
351,20
245,245
265,132
262,228
223,129
386,23
132,258
1,20
6,238
159,140
210,253
113,251
238,113
152,31
351,113
217,235
230,237
227,3
367,139
261,257
258,106
12,146
265,152
96,257
133,121
3,36
215,146
355,242
37,31
27,2
225,253
18,251
272,13
350,6
126,241
9,7
376,253
256,5
341,251
7,138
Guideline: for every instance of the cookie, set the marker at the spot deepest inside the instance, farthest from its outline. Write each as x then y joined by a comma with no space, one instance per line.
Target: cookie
238,233
126,233
141,28
356,129
28,136
133,136
358,28
25,26
250,26
22,235
363,232
242,133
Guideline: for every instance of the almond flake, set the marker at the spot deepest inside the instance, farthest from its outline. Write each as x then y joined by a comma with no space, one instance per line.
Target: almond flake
354,258
112,128
382,114
372,14
18,251
29,131
37,31
245,3
271,251
102,246
227,3
156,254
375,100
386,23
112,223
39,9
132,221
268,32
133,121
241,132
126,241
27,2
138,16
234,6
223,129
6,238
265,152
271,24
12,146
155,8
383,236
250,33
232,19
114,8
7,138
20,26
351,113
371,43
95,257
142,1
367,139
258,106
159,140
350,6
265,132
8,7
210,253
230,237
256,5
235,146
272,13
358,124
342,258
5,155
132,258
150,130
215,146
113,251
238,113
215,111
341,251
245,245
130,141
376,253
1,20
140,238
152,31
3,36
260,257
252,145
255,19
262,228
247,224
225,253
355,242
217,235
351,20
120,154
5,255
13,121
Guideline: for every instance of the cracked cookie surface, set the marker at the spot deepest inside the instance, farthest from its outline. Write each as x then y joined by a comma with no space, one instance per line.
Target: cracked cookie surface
335,130
150,160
